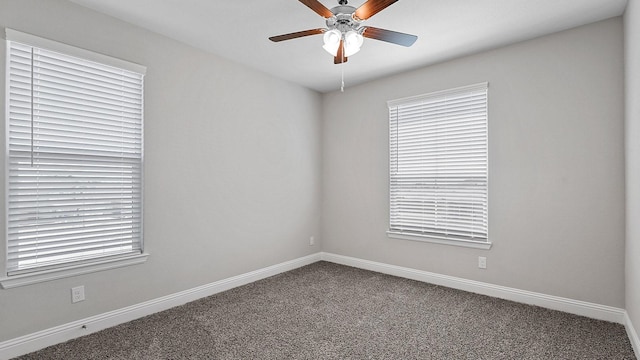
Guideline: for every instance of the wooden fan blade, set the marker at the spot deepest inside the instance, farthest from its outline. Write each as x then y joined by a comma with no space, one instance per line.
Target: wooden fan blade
393,37
337,60
340,58
297,35
316,6
371,8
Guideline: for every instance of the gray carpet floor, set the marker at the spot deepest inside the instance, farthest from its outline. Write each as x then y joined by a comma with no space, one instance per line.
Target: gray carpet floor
329,311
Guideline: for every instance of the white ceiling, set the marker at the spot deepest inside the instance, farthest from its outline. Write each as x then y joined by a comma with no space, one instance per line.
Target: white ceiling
238,30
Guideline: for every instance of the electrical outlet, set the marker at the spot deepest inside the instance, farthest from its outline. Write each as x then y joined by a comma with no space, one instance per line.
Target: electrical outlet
77,294
312,241
482,262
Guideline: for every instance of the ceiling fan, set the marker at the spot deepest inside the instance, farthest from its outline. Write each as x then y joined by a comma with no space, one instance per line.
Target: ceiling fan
344,34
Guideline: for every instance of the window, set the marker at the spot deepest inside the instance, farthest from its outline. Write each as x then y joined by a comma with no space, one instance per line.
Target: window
438,167
74,156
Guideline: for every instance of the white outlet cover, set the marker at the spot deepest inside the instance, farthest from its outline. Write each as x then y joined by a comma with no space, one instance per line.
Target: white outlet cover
77,294
482,262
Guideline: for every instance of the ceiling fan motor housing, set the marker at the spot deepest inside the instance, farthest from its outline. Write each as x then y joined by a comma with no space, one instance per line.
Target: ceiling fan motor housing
343,19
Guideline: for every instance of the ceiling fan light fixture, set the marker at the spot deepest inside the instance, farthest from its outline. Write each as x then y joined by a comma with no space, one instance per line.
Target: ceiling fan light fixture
344,34
352,42
332,41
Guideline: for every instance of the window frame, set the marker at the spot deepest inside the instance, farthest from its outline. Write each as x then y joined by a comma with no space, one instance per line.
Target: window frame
393,231
75,267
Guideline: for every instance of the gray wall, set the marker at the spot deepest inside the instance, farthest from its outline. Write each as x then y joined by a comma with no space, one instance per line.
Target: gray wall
556,208
232,171
632,132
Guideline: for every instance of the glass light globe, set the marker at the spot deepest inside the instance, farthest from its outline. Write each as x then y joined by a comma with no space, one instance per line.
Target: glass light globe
352,42
332,41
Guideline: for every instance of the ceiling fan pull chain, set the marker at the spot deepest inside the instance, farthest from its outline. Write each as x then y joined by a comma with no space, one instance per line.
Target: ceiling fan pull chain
342,86
342,71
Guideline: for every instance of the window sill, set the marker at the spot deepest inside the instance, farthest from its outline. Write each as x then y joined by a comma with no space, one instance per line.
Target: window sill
464,243
80,269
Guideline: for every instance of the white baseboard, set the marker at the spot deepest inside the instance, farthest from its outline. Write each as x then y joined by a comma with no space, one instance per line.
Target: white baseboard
41,339
591,310
633,335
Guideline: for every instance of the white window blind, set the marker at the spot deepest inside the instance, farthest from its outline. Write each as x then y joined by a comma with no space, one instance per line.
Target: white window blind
438,165
74,152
